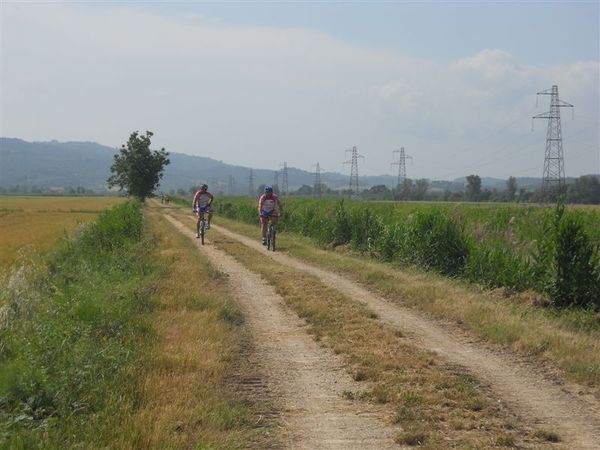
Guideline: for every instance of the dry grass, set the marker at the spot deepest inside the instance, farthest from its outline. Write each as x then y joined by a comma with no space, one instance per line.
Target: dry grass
514,322
30,224
423,395
186,402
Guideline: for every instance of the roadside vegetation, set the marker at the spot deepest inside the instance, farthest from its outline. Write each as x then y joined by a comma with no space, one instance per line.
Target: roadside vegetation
553,252
120,336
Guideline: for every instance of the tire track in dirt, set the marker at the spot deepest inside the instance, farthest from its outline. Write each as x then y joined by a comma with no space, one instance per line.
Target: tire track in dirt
303,379
576,418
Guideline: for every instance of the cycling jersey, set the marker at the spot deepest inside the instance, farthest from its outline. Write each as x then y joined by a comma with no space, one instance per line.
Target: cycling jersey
267,204
202,199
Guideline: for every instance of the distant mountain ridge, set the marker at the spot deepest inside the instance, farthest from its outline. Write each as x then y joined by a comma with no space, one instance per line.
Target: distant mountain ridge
69,164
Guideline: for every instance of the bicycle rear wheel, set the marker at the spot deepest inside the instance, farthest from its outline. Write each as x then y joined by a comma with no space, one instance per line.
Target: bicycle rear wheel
271,237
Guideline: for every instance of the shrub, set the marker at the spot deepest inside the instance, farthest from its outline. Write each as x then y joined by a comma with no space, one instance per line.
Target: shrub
576,276
438,243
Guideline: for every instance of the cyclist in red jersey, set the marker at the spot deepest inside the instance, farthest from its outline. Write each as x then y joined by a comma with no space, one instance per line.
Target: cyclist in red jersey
269,205
202,205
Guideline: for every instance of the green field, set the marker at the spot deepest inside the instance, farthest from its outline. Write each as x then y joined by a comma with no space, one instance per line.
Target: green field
547,250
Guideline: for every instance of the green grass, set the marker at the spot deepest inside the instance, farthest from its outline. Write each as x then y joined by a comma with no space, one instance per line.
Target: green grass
122,337
515,247
69,333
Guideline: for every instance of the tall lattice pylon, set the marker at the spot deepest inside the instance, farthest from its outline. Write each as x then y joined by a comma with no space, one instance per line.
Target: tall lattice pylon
317,191
251,190
554,165
284,179
354,187
231,185
401,163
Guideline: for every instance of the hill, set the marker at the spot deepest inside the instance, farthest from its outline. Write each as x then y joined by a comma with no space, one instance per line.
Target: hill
58,165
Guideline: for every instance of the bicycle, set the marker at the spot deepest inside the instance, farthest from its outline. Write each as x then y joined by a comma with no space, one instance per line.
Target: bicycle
202,226
271,235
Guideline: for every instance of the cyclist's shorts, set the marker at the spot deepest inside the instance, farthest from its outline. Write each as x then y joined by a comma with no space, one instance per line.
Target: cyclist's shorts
264,215
203,209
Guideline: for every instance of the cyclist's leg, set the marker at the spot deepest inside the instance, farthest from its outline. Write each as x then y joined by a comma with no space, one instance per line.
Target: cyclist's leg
200,216
264,222
209,217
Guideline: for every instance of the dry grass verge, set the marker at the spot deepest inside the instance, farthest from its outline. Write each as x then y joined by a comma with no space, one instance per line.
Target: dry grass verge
186,400
514,322
437,405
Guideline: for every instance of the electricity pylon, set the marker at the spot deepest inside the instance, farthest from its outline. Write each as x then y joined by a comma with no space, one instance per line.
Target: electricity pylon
317,187
401,163
554,164
284,181
354,189
231,185
251,191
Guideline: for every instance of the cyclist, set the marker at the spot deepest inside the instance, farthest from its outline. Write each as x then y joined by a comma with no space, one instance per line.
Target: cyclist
202,204
269,205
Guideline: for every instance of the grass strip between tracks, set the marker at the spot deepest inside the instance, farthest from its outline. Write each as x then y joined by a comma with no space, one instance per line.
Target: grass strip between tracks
566,339
186,400
435,405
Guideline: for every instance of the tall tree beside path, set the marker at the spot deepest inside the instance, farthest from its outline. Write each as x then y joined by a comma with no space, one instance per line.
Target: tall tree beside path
473,187
137,169
511,189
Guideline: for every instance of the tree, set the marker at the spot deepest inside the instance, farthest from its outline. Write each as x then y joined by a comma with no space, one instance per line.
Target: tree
379,192
137,169
511,189
473,187
421,187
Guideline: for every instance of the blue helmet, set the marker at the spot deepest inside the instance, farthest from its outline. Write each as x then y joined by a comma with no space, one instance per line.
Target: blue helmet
268,188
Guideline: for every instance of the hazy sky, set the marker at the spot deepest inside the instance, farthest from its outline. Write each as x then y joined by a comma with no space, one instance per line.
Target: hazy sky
258,83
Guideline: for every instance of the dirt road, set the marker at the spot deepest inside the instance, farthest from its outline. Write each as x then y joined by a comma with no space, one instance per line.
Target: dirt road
525,390
304,381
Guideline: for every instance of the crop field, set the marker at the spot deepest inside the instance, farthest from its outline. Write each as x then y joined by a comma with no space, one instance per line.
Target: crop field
30,224
515,247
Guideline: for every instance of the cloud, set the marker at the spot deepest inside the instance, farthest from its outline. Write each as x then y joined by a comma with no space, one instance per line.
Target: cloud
257,96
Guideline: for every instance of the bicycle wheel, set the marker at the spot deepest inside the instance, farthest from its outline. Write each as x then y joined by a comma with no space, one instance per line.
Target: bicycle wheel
273,233
269,237
202,228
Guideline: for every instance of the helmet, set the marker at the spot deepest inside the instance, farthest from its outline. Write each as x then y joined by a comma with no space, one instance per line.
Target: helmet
204,187
268,188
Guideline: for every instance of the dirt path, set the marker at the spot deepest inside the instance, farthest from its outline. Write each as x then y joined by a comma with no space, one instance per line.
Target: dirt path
576,418
303,379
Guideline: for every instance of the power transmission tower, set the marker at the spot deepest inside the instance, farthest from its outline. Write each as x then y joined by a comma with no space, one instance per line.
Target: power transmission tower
276,180
401,163
284,181
354,189
230,185
317,187
554,165
251,183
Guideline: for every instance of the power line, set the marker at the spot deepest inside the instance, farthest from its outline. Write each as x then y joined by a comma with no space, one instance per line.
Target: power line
554,164
317,187
251,190
284,182
354,188
401,163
